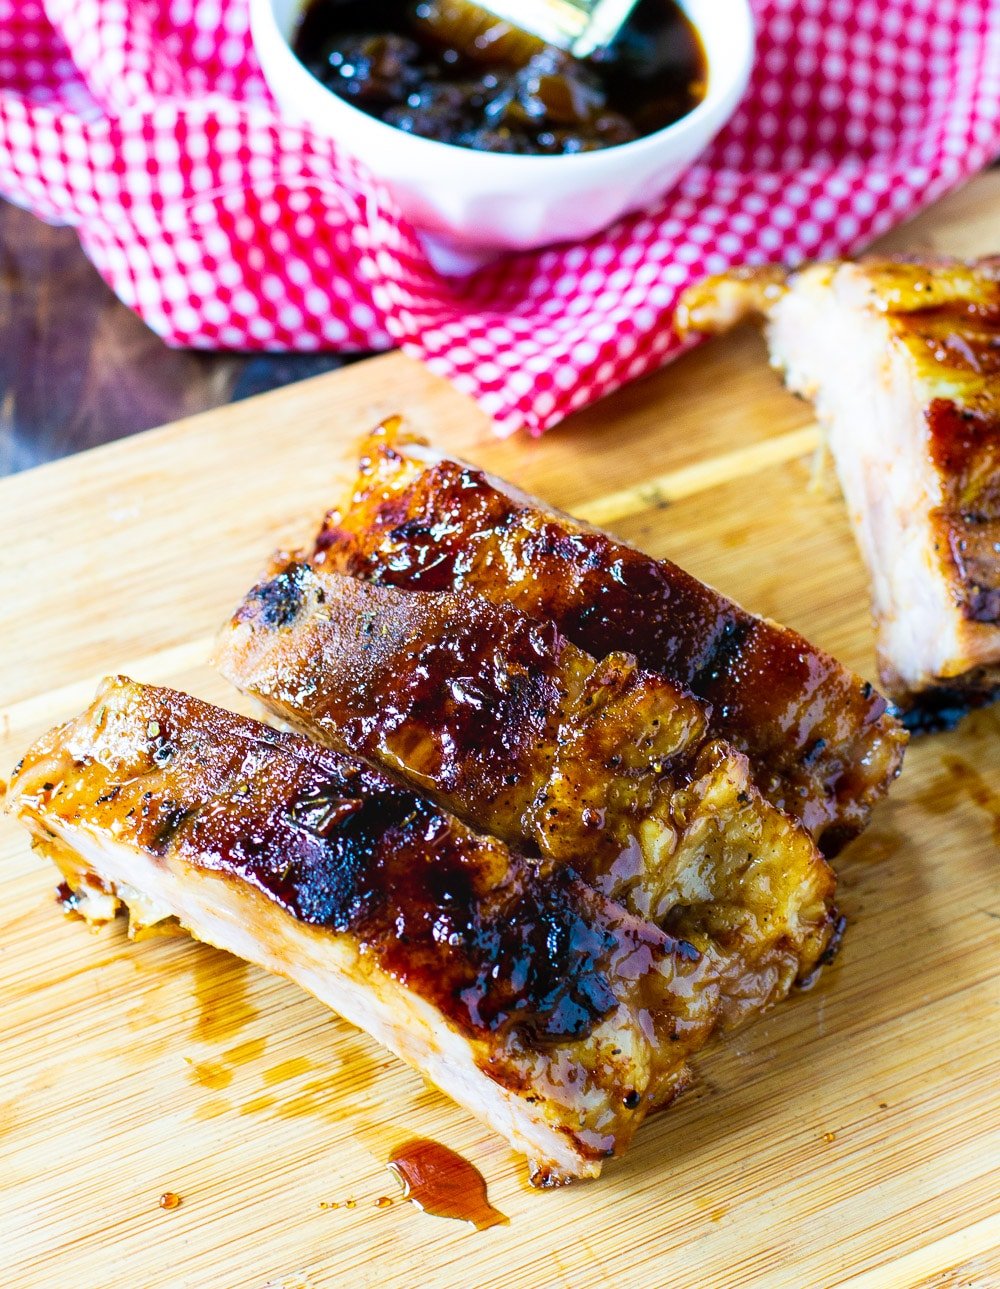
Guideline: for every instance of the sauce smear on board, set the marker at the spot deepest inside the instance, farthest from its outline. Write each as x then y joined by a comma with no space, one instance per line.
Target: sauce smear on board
442,1183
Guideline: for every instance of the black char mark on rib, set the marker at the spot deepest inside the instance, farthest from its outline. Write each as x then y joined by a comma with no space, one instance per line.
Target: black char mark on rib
722,652
557,963
278,601
494,940
938,710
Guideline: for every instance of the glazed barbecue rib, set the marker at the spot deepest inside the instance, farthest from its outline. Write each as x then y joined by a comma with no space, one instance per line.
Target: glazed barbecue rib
538,1004
819,741
902,360
598,765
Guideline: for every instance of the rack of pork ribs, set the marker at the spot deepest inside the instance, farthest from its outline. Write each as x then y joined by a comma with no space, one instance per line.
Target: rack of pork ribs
549,812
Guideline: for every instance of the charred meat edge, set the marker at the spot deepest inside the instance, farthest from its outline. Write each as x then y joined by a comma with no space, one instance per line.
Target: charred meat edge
540,1006
819,740
507,725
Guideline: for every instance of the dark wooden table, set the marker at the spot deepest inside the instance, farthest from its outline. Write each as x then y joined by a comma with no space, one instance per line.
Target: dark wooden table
77,368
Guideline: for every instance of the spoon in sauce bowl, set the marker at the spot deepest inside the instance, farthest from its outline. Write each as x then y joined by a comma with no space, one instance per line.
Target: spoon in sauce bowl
432,69
482,153
578,26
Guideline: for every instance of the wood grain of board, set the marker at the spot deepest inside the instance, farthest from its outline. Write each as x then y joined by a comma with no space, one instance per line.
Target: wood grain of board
851,1137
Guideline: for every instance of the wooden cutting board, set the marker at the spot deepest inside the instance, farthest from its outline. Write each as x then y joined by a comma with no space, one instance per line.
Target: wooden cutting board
853,1136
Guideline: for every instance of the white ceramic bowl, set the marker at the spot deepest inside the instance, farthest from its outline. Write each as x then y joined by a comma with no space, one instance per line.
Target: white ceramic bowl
479,202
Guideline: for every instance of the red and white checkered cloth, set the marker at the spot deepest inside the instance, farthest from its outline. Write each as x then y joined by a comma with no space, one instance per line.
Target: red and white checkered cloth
147,125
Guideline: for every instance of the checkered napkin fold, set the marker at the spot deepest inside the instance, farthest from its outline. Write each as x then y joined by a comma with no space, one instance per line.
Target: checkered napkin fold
147,125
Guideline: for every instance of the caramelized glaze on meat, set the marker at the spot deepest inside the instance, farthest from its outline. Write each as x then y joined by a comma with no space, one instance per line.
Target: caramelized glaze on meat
818,738
538,1003
902,358
599,765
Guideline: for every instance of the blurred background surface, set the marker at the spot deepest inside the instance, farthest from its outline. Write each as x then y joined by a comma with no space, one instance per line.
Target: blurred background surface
77,368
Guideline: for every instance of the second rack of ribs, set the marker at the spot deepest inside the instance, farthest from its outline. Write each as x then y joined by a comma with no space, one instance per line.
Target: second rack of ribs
594,765
820,742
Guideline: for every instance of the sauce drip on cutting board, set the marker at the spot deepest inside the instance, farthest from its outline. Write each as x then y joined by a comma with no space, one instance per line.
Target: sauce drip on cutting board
441,1182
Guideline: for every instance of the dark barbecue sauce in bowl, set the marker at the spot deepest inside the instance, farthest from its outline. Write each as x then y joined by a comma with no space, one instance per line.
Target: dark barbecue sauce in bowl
421,68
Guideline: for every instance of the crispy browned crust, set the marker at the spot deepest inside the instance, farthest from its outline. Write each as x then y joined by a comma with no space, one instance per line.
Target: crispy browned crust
599,765
524,960
494,713
458,695
819,740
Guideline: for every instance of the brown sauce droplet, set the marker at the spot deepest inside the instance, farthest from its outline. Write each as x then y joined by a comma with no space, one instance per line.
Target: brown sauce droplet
967,779
221,989
243,1053
442,1183
881,844
212,1074
314,1098
289,1069
829,1136
383,1201
256,1104
212,1108
169,1200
